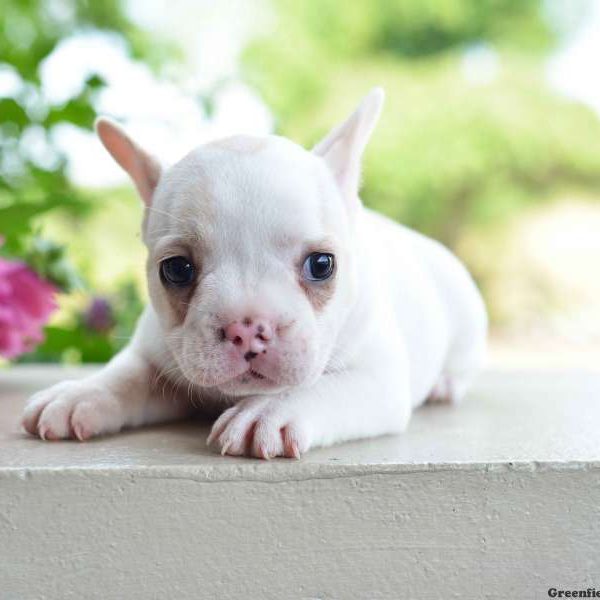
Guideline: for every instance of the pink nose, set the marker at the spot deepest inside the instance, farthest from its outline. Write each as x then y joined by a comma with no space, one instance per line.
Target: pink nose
250,336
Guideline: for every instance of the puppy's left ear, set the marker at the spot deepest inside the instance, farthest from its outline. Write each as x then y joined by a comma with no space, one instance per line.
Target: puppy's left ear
343,148
141,166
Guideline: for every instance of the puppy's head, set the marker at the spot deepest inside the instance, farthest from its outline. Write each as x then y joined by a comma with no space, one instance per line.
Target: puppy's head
251,265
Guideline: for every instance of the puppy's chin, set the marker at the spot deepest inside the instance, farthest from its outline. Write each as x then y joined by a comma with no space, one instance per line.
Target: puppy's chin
248,384
252,383
233,382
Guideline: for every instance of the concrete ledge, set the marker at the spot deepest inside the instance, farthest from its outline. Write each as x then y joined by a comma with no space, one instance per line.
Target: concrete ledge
497,498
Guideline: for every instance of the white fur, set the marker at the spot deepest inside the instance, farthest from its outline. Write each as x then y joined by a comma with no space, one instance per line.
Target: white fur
404,322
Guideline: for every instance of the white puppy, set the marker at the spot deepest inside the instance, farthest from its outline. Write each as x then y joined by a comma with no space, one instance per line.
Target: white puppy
277,300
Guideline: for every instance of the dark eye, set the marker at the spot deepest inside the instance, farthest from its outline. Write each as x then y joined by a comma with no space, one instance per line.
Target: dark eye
178,271
318,266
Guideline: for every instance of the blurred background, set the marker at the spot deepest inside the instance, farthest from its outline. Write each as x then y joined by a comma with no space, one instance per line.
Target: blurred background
489,142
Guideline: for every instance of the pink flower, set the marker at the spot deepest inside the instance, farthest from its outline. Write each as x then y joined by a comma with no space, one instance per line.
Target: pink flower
26,302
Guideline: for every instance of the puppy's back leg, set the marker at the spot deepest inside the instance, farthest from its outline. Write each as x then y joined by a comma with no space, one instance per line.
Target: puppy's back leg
465,358
454,382
468,325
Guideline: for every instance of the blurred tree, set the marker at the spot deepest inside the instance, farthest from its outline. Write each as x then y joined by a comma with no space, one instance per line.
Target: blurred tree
471,131
32,169
33,179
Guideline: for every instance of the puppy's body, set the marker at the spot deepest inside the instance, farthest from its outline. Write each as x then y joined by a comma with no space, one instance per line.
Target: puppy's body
438,310
295,360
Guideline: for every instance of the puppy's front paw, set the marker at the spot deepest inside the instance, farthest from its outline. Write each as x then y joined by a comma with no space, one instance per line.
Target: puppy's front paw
260,427
72,409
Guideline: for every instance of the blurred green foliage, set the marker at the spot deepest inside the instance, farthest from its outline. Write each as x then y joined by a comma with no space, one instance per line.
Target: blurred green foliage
34,184
471,132
75,341
31,185
49,260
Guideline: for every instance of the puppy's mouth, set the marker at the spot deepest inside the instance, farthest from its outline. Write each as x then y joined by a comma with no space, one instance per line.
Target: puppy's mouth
250,380
251,375
255,374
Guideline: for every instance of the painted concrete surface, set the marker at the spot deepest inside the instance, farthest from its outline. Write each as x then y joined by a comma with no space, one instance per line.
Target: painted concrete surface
497,498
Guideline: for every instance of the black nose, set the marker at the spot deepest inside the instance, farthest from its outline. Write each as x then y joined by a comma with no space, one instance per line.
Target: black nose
250,355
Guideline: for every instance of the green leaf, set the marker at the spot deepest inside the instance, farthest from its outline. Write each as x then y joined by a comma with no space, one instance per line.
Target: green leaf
12,112
48,259
90,346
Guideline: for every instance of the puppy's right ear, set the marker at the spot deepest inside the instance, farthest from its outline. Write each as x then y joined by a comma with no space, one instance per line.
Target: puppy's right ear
343,148
142,167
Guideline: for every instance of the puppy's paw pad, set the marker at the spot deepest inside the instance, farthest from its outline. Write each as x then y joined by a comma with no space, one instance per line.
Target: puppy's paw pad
267,439
271,439
36,405
96,416
295,441
54,421
261,431
443,391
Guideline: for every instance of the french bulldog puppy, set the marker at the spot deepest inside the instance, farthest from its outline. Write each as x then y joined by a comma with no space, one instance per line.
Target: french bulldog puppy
278,300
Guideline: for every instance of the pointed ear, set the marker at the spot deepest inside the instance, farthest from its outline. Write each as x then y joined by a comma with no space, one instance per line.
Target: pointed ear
142,167
343,148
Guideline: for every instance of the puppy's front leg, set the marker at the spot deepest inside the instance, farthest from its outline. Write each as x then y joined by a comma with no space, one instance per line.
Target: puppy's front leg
362,402
122,394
